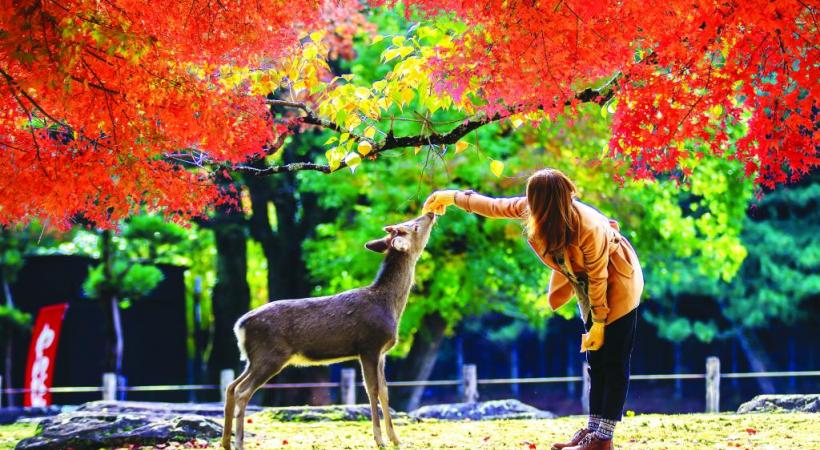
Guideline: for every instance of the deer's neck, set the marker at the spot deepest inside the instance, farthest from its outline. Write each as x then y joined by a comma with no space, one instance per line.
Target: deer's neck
395,278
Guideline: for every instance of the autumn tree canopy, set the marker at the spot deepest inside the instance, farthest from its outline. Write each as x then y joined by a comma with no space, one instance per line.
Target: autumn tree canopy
112,106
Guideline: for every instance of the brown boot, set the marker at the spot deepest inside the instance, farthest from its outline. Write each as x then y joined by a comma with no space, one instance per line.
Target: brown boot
592,442
576,438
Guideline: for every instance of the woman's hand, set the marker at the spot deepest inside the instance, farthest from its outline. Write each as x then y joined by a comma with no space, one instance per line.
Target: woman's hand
594,339
438,201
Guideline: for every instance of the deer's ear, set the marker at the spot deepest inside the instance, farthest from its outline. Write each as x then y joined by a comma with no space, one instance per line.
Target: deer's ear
397,229
378,245
401,244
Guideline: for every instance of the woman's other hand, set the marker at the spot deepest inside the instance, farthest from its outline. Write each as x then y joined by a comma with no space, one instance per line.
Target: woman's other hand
438,201
594,339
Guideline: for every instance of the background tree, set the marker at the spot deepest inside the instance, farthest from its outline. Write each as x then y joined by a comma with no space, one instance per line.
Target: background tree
15,243
477,266
776,281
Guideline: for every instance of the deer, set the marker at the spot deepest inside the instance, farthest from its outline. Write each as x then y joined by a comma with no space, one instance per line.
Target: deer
361,324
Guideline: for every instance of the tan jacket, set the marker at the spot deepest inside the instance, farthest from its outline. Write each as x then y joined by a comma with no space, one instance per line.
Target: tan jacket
597,249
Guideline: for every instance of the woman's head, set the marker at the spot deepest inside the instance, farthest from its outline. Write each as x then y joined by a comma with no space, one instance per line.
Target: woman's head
552,218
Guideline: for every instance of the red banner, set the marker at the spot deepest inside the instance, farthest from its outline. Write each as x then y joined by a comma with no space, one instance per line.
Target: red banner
41,354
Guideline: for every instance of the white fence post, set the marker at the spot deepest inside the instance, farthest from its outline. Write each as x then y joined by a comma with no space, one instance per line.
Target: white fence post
585,388
109,385
226,377
469,383
347,387
712,384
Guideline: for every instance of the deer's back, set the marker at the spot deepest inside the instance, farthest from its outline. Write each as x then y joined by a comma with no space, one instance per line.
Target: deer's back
320,330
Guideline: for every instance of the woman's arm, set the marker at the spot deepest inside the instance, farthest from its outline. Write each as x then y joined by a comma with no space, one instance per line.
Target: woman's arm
498,208
595,247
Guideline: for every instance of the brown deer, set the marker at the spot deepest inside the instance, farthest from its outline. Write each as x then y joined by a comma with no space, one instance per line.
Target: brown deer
357,324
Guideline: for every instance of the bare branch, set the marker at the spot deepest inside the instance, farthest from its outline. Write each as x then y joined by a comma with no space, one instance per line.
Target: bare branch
600,96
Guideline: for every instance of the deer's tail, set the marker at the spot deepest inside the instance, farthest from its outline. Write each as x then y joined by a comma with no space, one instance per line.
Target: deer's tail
239,331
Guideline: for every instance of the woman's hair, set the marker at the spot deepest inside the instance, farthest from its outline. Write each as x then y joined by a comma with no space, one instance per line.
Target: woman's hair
552,219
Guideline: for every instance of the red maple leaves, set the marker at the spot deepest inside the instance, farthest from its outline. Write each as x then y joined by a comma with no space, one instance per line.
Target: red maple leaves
98,99
98,96
689,73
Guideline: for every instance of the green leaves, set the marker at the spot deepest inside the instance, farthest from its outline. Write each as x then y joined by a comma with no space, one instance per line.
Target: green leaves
128,281
12,318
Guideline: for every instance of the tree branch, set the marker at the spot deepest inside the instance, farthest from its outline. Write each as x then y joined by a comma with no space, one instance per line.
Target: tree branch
600,96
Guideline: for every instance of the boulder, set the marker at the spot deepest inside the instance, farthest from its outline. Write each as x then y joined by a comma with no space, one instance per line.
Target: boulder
158,409
781,403
95,427
11,414
492,410
324,413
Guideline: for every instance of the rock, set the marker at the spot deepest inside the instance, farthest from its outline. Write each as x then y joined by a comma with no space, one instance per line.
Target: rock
324,413
96,425
13,413
492,410
159,408
781,403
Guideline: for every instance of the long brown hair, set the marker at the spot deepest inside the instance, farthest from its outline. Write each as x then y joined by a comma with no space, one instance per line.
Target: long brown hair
552,220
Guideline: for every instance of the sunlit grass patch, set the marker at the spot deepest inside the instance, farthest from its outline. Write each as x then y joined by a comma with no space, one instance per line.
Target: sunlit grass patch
651,431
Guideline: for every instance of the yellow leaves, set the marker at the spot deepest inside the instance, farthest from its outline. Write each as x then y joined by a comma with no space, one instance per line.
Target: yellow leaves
407,96
353,160
362,92
369,133
461,146
298,86
516,121
397,41
380,85
376,39
496,167
352,121
609,108
334,158
317,36
404,51
390,54
364,148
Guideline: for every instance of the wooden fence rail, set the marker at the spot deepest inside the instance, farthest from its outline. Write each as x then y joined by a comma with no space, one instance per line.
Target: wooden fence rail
468,384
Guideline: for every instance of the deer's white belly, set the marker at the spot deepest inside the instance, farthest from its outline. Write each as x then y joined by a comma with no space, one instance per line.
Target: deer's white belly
301,360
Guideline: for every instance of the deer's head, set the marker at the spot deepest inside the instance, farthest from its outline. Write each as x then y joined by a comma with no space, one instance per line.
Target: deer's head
407,237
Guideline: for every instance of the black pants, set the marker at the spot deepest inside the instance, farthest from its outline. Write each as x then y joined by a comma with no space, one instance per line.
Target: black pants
609,367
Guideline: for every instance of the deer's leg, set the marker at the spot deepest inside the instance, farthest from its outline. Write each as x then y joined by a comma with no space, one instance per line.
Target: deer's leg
383,399
258,375
370,370
229,408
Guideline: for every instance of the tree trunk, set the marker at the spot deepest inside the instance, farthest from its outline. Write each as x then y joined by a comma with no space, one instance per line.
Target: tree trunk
118,339
297,214
231,295
756,355
678,368
514,387
109,303
9,365
419,363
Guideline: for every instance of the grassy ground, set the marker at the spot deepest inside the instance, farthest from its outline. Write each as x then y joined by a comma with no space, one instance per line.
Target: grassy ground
695,431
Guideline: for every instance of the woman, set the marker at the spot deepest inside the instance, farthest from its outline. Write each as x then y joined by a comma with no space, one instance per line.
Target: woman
589,257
